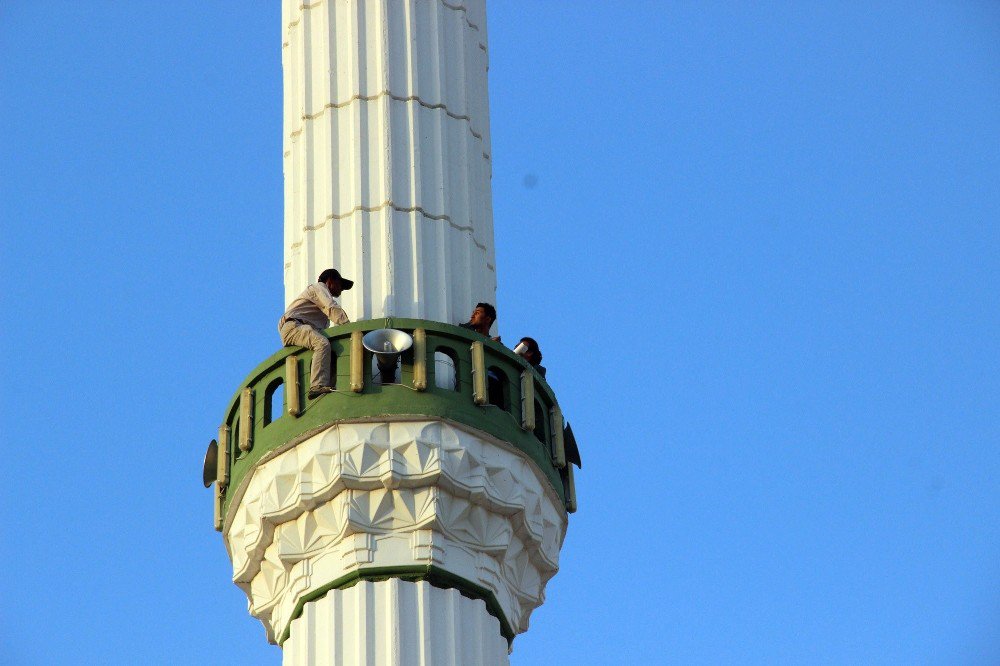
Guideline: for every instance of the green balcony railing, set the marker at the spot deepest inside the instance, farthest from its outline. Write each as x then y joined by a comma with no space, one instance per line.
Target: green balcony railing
449,372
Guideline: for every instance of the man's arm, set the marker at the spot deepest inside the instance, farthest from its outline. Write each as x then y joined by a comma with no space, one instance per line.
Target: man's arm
328,304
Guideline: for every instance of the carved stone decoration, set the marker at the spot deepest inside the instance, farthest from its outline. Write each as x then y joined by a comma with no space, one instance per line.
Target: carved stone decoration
400,493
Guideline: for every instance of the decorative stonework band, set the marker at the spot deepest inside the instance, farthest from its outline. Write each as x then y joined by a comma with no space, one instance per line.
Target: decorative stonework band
366,495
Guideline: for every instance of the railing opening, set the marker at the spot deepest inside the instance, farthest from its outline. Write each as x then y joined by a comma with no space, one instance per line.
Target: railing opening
274,401
234,436
541,416
445,369
498,388
333,368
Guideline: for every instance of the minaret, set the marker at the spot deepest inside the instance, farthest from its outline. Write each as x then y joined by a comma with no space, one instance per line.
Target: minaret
417,520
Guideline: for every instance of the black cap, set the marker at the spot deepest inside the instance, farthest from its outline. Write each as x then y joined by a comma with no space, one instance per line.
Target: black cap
334,274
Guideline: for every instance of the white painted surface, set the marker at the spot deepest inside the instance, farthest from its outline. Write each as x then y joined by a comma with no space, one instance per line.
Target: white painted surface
395,623
387,178
387,154
394,493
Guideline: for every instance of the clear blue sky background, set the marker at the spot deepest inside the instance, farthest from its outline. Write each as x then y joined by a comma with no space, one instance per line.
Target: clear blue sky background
758,243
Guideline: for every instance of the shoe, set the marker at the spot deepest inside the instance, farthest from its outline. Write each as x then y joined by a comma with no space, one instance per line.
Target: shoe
317,391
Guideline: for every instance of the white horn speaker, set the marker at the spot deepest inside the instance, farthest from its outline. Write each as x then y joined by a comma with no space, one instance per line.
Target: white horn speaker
387,344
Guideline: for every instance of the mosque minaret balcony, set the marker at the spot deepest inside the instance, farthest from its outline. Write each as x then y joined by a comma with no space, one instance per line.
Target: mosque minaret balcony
458,472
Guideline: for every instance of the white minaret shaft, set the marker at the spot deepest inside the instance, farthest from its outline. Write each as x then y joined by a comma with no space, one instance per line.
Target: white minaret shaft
402,523
387,154
395,622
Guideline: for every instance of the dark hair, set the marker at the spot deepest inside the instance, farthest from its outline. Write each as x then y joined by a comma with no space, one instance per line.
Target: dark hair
533,347
490,311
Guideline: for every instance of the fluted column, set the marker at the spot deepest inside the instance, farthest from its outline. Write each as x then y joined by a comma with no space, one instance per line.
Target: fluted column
395,623
387,154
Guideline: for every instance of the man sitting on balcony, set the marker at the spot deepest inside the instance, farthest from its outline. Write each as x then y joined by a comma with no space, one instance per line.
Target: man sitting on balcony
309,314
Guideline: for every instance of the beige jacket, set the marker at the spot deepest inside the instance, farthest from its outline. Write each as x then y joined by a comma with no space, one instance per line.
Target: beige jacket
315,306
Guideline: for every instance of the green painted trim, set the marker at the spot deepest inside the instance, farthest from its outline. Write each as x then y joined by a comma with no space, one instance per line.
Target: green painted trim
393,400
413,573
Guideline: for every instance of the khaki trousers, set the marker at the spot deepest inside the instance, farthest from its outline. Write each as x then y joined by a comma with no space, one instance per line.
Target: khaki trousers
304,335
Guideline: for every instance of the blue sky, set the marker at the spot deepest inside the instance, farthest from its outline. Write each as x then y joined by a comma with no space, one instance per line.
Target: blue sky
757,242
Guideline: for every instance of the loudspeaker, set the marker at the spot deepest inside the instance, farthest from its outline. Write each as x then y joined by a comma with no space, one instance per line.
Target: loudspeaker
387,344
210,470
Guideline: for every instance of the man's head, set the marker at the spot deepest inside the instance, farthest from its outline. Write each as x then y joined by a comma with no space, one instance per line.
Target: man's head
534,354
482,317
335,282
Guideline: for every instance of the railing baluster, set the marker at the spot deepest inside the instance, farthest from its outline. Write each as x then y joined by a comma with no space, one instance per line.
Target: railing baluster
570,490
246,420
222,468
558,446
420,359
292,385
221,477
357,362
217,512
479,374
527,400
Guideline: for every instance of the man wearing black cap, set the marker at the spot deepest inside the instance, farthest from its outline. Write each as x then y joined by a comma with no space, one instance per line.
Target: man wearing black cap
307,315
